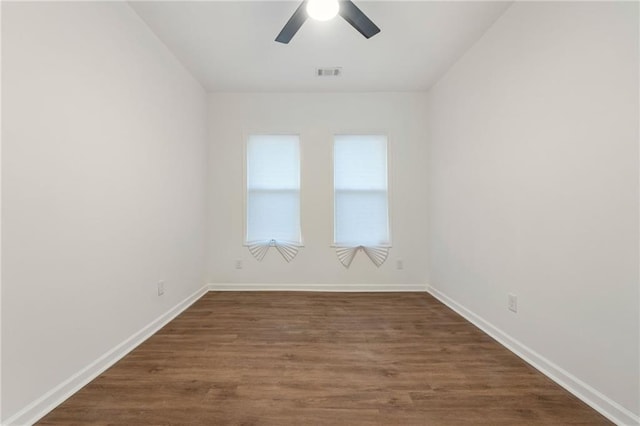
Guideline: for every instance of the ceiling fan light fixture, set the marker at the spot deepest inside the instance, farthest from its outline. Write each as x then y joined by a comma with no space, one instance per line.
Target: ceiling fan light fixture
322,10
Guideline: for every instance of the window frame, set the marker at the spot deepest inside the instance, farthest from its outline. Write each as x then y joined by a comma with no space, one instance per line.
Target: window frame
390,181
246,135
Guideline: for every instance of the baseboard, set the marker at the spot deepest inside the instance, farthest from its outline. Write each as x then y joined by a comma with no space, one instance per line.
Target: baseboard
43,405
316,287
56,396
601,403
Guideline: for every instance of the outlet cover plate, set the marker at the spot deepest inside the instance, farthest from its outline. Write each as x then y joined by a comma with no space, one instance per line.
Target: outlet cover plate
513,303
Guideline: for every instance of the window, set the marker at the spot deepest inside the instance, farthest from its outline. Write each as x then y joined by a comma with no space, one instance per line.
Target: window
273,193
361,217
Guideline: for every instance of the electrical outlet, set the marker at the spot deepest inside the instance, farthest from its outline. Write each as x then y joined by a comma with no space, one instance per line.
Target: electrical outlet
239,264
160,288
513,302
399,264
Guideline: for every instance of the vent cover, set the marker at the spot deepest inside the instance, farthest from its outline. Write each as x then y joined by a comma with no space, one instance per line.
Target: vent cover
329,72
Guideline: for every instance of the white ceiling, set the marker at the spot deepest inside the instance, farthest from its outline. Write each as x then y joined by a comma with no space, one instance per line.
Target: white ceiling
229,45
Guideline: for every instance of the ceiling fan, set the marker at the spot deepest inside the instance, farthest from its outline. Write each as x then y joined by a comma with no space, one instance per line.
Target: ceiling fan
323,10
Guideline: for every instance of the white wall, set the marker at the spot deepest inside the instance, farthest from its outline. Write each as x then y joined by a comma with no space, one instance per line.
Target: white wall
317,117
531,158
533,172
103,187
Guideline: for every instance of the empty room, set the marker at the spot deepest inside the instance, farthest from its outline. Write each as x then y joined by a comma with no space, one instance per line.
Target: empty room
320,212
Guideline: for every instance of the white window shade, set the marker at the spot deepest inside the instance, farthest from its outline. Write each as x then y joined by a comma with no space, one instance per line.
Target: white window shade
273,194
361,211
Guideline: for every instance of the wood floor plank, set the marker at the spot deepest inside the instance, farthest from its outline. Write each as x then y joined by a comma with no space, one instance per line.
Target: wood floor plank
287,358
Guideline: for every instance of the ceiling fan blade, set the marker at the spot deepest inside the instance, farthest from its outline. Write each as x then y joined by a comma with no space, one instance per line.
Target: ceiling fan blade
353,15
293,25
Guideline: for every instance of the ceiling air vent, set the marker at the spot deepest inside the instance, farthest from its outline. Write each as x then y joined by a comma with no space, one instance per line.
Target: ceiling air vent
329,72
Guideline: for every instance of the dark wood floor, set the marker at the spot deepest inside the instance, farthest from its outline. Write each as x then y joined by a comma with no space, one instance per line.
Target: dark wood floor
278,358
